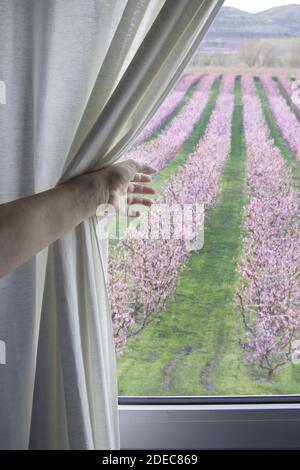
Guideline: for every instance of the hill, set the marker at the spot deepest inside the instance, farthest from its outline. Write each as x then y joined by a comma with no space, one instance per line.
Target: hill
233,27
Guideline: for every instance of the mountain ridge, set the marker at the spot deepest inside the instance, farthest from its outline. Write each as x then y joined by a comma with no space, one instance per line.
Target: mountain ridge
232,27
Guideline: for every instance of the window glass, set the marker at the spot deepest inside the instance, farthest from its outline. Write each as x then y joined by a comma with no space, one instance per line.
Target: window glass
204,288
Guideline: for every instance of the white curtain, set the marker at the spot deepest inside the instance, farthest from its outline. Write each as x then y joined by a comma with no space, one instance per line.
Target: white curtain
82,78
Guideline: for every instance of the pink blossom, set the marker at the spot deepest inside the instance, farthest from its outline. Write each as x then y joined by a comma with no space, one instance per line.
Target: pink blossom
143,274
270,263
169,105
284,116
158,152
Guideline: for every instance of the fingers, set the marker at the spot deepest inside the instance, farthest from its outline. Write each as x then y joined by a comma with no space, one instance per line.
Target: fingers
130,176
134,213
141,167
147,169
138,200
136,187
140,189
130,170
142,178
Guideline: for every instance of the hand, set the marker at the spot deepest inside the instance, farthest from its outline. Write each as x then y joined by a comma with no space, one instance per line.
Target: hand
127,180
47,216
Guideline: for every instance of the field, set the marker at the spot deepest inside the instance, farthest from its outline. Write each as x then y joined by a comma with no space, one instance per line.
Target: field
223,319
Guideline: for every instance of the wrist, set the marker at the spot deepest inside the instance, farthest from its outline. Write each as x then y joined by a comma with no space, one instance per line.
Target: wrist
91,190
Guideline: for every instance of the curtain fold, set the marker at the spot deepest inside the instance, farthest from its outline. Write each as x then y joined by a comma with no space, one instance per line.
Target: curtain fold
157,64
88,75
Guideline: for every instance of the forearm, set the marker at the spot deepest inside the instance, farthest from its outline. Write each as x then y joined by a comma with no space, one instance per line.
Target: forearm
30,224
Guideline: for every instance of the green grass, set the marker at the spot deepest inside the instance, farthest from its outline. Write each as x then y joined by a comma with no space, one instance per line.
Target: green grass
193,350
276,134
181,354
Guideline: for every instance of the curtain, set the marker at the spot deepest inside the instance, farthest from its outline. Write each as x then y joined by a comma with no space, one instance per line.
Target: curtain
82,77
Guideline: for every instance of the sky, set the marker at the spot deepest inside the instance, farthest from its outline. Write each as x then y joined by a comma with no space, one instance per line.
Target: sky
254,6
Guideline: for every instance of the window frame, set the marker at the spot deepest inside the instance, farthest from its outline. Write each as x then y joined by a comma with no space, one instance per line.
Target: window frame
233,423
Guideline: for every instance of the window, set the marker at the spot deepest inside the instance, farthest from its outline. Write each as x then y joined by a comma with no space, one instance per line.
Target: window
214,317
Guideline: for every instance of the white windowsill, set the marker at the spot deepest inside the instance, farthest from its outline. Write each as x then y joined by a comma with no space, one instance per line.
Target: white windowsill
224,426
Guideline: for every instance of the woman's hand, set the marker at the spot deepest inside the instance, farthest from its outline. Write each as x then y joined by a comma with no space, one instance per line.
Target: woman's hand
126,182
